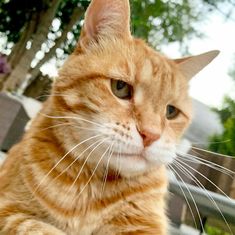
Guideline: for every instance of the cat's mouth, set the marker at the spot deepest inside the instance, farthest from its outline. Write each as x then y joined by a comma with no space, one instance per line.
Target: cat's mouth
130,155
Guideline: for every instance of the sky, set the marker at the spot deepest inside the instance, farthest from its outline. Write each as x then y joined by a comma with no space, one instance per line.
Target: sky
213,82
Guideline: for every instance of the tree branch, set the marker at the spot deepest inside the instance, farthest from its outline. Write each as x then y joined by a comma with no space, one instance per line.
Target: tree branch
76,15
20,71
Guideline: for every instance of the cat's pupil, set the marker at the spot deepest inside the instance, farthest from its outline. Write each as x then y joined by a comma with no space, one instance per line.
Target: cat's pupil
171,109
120,85
171,112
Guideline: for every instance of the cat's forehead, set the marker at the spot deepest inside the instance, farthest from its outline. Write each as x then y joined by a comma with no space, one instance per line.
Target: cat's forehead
141,64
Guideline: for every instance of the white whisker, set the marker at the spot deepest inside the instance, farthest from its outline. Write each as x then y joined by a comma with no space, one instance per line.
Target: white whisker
73,117
195,204
202,160
212,165
222,167
52,95
98,141
83,165
94,171
214,154
118,161
106,170
62,158
186,172
190,208
69,124
198,172
203,143
53,126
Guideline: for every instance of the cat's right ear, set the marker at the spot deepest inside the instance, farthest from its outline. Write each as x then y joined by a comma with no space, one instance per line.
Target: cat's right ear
105,18
192,65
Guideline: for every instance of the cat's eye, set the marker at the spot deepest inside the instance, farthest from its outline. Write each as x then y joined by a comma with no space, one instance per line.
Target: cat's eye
121,89
171,112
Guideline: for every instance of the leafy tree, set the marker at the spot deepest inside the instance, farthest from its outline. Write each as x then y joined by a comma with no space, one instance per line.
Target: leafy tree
29,28
225,141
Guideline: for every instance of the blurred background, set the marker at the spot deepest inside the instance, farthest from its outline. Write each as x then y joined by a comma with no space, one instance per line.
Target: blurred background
36,37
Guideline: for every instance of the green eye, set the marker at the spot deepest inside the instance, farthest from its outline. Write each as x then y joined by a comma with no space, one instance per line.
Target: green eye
171,112
121,89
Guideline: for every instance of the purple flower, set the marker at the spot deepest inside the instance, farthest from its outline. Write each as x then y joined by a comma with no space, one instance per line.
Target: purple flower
4,66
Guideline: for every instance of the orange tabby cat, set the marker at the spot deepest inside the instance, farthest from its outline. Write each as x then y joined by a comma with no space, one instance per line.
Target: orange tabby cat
94,159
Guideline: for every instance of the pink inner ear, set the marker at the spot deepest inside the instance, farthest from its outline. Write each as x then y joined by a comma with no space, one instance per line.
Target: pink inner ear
92,20
107,18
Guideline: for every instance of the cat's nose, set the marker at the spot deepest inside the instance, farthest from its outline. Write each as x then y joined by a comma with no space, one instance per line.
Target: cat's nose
148,137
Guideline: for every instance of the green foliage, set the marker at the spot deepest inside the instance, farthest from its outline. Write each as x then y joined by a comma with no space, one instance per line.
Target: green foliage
163,21
225,143
215,231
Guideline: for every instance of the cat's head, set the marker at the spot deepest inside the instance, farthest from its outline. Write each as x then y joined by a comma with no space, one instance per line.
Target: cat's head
127,103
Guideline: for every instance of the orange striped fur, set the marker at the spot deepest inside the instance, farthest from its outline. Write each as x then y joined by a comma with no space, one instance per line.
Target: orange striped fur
83,167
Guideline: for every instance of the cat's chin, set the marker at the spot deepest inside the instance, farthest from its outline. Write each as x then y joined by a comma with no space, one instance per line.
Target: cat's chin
130,165
162,157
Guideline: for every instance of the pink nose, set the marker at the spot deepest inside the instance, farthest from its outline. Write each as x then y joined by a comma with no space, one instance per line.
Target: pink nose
148,137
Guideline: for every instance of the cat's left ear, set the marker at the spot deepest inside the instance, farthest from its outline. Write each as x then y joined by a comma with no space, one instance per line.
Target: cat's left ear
192,65
106,18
